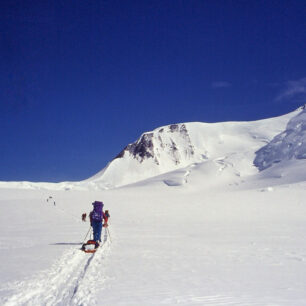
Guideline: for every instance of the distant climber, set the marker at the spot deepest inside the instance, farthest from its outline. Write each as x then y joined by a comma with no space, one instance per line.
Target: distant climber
51,199
84,217
107,215
96,217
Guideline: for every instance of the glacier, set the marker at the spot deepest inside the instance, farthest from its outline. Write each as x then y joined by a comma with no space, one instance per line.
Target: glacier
193,221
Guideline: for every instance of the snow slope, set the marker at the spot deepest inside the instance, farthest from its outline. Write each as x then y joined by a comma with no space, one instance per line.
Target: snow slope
180,145
212,231
288,145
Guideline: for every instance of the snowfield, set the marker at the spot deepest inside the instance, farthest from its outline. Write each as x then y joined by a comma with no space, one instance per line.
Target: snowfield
210,230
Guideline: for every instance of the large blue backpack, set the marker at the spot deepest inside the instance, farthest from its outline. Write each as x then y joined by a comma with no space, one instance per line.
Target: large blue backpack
97,214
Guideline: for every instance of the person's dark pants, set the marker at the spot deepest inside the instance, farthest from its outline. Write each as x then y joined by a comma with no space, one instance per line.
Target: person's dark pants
97,229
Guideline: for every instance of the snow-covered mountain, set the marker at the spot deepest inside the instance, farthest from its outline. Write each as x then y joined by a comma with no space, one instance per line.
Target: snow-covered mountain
288,145
177,152
178,146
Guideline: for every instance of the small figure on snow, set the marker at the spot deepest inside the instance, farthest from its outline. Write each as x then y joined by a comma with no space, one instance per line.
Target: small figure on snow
107,215
51,199
84,217
96,218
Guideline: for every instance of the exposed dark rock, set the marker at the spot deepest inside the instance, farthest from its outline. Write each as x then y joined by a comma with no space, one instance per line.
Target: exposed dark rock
184,133
121,154
141,149
161,142
174,152
183,129
144,147
173,146
174,128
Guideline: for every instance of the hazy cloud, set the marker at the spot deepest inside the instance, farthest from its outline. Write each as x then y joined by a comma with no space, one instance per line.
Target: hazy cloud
293,89
221,84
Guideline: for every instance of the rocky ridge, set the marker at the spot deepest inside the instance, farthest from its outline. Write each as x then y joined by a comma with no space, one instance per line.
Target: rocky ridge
152,145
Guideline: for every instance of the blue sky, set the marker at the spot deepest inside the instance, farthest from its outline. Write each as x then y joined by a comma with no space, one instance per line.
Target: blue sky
82,79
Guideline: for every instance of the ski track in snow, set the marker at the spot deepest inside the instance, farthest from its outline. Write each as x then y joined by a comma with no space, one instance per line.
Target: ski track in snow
72,280
213,300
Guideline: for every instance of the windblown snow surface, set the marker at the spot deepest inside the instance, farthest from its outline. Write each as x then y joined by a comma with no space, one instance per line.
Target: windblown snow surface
212,231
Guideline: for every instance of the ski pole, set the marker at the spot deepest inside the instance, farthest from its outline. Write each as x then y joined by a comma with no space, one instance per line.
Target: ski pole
87,234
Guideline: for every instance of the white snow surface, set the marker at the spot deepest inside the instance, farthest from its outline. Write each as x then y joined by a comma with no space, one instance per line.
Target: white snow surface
212,230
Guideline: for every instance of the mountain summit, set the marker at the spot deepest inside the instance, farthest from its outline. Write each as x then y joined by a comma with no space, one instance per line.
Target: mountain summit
177,146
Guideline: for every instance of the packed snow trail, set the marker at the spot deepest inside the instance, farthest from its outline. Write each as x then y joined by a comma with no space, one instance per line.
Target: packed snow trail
72,280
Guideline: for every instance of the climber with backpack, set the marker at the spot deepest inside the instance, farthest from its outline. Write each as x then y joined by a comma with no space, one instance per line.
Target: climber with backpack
96,218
